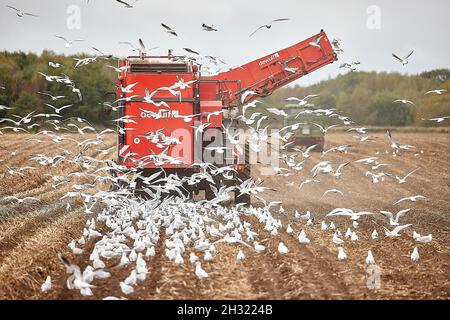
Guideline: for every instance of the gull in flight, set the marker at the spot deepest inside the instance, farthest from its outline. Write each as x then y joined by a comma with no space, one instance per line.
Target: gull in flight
208,28
337,173
20,200
331,191
321,167
78,280
404,61
277,112
404,101
58,110
322,129
128,88
191,51
69,43
423,239
359,130
403,180
54,64
269,25
200,128
127,5
301,102
305,154
120,69
438,120
393,221
169,30
246,94
21,13
396,231
316,41
412,198
347,212
52,97
437,91
350,66
336,46
307,181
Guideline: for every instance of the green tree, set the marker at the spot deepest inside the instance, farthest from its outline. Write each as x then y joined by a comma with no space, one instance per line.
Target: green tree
383,112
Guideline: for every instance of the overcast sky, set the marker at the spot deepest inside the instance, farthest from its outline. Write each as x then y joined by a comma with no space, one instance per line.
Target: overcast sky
403,26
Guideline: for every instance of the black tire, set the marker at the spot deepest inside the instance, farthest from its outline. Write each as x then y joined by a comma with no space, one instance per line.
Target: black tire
209,193
243,198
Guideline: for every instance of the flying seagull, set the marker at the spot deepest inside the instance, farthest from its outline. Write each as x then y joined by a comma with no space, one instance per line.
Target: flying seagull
69,43
51,96
437,91
208,28
301,102
169,30
191,51
323,129
19,200
438,120
127,5
403,180
102,55
268,26
351,67
412,198
396,231
404,61
316,41
21,13
393,220
404,101
332,191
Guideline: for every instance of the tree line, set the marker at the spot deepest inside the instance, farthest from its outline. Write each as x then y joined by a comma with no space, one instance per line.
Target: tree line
19,75
368,97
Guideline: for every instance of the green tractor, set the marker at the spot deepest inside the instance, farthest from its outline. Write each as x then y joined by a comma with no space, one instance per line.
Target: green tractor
307,134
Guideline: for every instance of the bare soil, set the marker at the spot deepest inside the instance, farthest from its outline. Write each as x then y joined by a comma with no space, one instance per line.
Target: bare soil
32,233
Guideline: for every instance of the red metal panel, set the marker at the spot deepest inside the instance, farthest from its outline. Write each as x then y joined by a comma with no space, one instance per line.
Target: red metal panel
171,126
206,108
268,73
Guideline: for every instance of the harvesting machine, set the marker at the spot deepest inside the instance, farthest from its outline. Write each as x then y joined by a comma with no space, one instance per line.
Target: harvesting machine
171,111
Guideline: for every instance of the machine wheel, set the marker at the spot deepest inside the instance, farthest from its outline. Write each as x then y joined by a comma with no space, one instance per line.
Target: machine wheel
209,193
243,198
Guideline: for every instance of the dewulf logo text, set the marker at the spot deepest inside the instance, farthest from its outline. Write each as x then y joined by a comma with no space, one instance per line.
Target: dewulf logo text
269,59
161,114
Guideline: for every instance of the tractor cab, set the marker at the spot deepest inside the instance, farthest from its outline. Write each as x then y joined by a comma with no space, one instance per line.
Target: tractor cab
308,133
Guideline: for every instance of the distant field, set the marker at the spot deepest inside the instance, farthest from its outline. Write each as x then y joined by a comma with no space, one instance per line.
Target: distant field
400,129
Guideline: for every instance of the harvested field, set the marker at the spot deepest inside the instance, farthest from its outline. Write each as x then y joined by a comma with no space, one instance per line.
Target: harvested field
33,232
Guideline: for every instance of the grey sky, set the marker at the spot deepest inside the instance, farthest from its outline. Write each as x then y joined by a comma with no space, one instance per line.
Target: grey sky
405,25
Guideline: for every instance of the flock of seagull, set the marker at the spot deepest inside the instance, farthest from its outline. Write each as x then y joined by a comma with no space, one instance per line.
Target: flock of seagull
132,225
